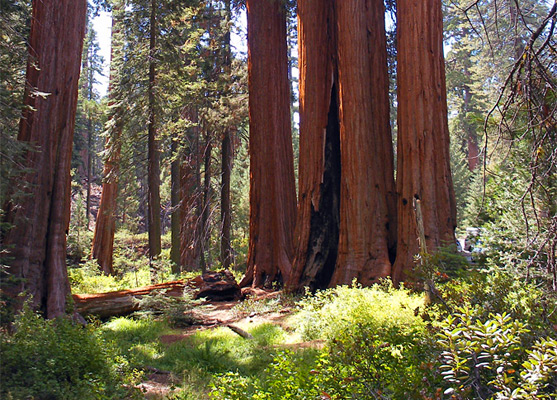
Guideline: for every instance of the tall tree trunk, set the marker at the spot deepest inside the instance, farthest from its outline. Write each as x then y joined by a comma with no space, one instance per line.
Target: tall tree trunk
105,225
423,171
272,187
90,81
226,166
226,217
191,200
206,207
154,207
471,135
367,182
346,212
317,226
40,212
89,166
175,219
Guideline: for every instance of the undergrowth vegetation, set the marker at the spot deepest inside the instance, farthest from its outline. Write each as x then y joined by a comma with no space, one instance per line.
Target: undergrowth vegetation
487,335
58,359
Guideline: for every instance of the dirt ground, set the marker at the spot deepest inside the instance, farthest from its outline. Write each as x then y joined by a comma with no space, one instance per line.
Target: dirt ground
214,315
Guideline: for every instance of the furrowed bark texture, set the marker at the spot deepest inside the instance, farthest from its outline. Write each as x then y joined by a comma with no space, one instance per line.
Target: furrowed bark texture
105,225
423,137
317,226
206,205
175,219
272,187
226,168
191,200
154,156
346,213
225,214
40,217
367,183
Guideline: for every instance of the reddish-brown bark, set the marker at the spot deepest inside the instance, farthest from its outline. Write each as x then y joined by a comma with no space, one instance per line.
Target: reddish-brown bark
471,135
176,217
105,225
272,190
213,286
40,216
317,225
423,137
154,199
346,213
226,167
191,200
206,205
367,180
225,214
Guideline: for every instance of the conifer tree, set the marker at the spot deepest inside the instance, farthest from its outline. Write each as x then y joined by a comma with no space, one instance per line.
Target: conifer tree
39,219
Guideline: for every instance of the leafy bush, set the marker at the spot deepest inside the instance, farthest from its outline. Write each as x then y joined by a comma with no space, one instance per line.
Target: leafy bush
378,347
177,311
488,360
498,292
289,376
57,359
327,314
88,279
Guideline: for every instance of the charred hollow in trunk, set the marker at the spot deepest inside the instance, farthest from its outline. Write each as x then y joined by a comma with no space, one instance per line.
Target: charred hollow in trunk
325,222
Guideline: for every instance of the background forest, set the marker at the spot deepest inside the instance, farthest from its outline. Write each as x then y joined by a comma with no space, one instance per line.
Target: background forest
160,191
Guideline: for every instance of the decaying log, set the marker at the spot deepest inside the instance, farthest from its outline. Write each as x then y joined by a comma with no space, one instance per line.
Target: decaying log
216,286
123,302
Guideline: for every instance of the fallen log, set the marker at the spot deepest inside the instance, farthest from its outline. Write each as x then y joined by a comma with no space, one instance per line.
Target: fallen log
239,331
216,286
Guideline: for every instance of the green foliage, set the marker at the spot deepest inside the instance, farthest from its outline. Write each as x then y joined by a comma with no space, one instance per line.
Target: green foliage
328,313
517,234
79,238
289,376
370,353
178,312
88,279
15,21
57,359
487,359
263,306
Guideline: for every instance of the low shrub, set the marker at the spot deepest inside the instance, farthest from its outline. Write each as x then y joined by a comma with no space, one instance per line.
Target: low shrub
57,359
488,359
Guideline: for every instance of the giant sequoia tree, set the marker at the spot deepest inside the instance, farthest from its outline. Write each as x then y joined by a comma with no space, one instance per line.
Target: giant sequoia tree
423,171
105,225
346,214
272,187
39,211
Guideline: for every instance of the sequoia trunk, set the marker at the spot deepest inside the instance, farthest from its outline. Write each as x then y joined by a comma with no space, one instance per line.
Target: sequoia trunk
272,187
40,216
346,212
423,171
105,225
367,179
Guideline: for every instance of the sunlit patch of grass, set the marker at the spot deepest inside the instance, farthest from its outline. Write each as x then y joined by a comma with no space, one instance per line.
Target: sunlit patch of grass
137,340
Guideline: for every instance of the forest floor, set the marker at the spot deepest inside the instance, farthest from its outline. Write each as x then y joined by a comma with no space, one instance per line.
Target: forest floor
238,318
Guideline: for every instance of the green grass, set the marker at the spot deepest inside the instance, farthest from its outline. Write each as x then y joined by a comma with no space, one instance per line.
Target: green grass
196,361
